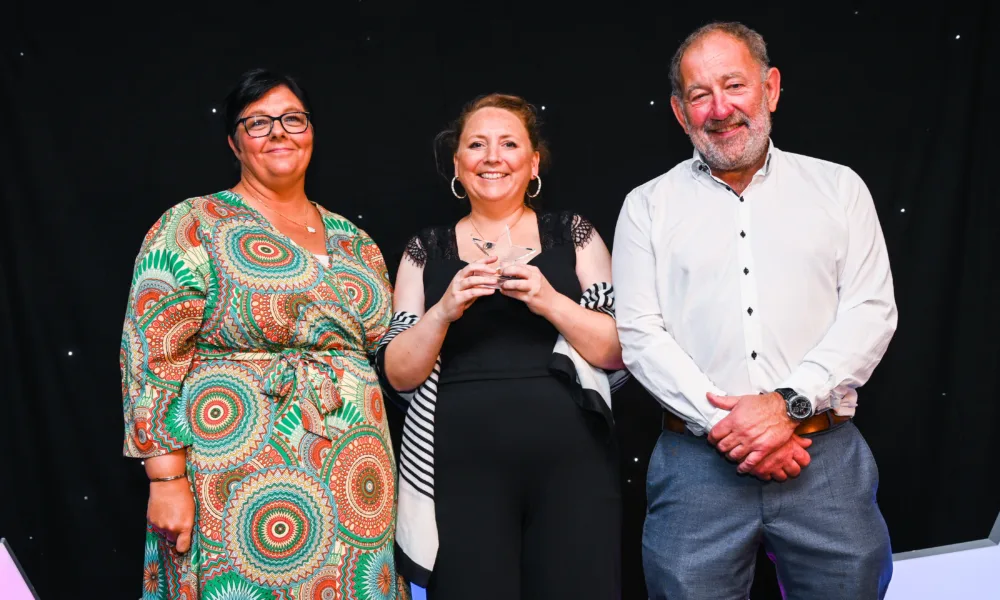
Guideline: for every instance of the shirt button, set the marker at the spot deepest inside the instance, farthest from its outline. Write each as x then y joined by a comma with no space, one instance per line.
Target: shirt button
753,355
746,271
743,234
750,311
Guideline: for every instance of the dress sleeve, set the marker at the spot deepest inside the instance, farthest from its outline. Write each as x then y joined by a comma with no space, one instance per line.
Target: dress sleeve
379,315
164,313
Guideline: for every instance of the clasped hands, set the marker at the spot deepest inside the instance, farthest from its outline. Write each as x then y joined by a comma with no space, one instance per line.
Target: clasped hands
528,286
759,435
482,278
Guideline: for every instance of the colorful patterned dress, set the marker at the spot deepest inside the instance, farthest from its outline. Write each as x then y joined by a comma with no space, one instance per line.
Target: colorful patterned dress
242,347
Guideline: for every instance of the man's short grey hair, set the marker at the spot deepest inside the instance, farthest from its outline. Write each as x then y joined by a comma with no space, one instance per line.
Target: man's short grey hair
753,41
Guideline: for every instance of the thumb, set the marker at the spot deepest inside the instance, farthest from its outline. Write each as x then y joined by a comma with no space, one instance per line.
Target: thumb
184,541
804,442
723,402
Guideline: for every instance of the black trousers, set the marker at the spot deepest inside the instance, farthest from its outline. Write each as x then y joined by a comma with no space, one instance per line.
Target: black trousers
527,494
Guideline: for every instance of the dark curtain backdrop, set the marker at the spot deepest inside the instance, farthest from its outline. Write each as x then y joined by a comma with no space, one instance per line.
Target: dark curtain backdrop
106,124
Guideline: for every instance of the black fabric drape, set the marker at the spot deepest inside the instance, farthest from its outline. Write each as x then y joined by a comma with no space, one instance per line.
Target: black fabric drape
104,128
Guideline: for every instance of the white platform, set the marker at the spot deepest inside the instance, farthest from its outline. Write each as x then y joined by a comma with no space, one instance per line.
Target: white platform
968,571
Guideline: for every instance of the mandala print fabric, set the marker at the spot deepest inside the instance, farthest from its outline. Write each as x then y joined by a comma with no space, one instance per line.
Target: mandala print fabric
243,348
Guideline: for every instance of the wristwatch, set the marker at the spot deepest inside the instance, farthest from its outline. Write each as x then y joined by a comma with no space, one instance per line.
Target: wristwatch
798,406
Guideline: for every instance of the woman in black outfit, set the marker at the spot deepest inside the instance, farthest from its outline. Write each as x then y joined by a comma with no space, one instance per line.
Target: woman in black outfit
508,476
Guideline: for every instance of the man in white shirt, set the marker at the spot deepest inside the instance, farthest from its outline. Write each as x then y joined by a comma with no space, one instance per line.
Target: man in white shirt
754,297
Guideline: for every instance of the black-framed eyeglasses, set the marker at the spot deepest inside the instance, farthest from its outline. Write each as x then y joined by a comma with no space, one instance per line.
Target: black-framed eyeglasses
261,125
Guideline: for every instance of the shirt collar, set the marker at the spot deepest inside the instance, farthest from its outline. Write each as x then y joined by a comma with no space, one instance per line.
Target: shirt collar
700,166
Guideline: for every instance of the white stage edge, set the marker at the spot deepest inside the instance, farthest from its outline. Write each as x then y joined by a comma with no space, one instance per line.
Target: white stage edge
13,581
967,571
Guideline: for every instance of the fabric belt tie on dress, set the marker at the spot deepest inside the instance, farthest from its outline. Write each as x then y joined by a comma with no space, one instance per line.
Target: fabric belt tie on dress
296,374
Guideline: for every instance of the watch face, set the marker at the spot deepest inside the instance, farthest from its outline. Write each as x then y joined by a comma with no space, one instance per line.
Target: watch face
800,407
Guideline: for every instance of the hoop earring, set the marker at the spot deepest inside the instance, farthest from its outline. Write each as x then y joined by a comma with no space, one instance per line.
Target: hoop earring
453,180
539,190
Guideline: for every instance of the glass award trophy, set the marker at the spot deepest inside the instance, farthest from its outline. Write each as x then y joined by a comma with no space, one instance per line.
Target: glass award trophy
507,253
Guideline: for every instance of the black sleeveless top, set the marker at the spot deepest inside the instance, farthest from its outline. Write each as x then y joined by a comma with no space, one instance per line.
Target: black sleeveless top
499,337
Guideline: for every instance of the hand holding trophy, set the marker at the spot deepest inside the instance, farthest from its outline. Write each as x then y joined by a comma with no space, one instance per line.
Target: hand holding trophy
507,253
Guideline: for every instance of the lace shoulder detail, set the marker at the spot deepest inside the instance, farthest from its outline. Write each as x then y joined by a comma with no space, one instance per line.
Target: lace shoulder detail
415,252
431,243
582,231
564,227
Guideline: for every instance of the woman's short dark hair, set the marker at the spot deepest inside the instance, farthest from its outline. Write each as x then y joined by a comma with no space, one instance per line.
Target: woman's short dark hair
251,87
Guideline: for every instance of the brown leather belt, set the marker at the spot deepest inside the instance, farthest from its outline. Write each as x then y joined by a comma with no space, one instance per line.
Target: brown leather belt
815,423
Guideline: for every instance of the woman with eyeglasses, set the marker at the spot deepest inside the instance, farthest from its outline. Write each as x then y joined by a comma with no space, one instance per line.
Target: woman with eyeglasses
248,389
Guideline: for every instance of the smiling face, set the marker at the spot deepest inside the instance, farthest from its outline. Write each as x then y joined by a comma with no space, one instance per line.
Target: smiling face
726,102
495,159
279,157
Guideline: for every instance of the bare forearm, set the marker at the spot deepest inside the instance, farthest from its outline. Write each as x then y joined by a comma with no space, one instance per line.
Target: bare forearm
410,357
592,333
166,465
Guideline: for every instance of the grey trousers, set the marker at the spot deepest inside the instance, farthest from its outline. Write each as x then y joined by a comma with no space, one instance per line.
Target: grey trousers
823,529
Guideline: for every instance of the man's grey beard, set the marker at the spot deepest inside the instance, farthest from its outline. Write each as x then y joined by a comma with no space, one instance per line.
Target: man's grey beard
756,145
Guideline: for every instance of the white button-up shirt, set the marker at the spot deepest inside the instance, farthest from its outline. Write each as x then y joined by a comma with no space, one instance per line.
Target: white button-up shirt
786,286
